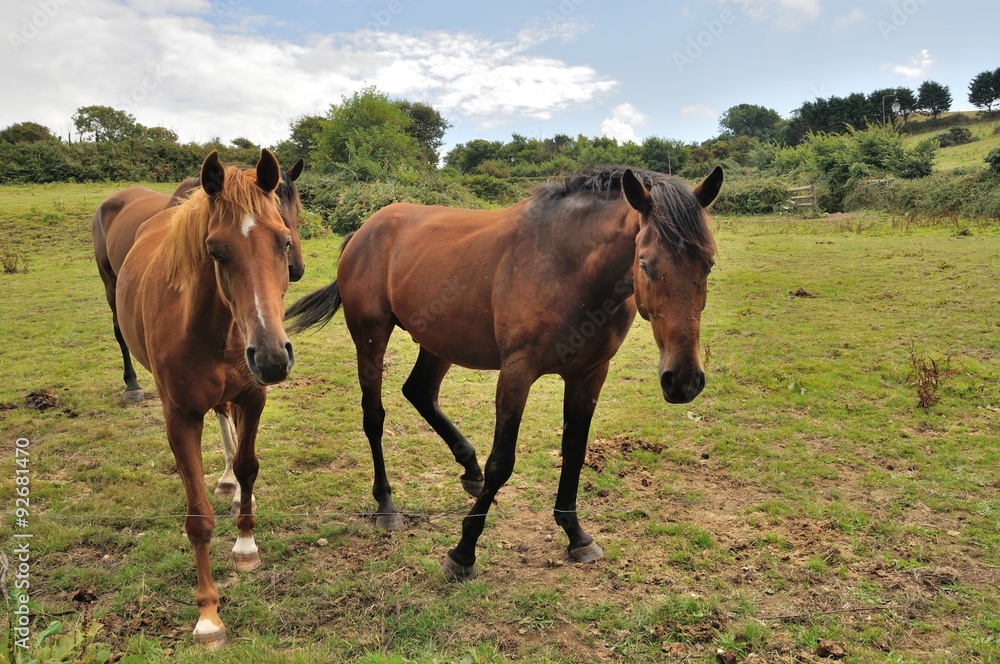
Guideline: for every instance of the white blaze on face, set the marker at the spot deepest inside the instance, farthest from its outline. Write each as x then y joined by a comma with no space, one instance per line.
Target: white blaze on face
248,223
260,314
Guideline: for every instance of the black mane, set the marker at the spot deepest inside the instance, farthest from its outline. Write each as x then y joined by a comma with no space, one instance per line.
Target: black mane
678,216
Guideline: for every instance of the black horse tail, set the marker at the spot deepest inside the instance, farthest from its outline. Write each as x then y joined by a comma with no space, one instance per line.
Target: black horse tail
317,308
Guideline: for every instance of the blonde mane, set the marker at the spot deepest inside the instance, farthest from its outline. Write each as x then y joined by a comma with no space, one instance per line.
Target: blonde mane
183,251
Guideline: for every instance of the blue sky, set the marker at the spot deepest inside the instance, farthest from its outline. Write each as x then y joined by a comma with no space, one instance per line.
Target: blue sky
229,68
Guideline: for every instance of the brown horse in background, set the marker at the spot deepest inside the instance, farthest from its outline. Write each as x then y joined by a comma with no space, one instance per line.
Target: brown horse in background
200,299
550,285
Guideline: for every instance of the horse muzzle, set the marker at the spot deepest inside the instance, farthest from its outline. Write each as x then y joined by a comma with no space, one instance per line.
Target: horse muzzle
678,389
270,365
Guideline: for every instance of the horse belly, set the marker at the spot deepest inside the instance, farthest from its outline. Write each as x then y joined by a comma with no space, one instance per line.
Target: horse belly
452,332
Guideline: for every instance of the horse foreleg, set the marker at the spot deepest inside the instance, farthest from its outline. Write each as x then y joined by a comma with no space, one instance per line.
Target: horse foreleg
578,410
513,386
371,345
245,467
184,434
422,389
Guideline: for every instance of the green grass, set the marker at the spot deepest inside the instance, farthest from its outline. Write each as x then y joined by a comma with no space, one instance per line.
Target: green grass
803,497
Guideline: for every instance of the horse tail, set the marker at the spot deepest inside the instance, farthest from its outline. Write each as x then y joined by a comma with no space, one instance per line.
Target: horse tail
317,308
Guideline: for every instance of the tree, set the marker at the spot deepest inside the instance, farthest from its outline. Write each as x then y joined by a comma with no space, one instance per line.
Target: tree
427,126
103,123
467,156
244,143
884,99
366,134
755,121
26,132
158,134
664,155
933,98
984,90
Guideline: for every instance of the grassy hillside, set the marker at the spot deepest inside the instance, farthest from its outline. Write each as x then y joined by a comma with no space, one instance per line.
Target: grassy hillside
968,157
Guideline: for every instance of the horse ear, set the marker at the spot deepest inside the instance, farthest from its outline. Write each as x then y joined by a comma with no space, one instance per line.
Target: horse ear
213,174
295,171
709,189
636,192
268,171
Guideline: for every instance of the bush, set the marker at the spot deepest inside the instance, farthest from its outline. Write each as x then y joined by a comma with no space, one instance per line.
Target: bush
751,196
993,159
345,204
955,136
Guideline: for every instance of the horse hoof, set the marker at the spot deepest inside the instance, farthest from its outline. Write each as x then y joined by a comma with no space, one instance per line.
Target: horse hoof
587,553
246,562
389,521
216,640
456,572
225,490
133,396
473,487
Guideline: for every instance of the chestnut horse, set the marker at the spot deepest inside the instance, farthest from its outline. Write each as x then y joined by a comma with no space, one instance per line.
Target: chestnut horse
116,221
550,285
200,299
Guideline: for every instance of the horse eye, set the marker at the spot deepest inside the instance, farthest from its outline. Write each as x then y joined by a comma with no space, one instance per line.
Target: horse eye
288,245
644,268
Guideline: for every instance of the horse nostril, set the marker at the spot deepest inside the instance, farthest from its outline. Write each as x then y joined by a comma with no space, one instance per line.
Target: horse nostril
251,353
667,381
291,353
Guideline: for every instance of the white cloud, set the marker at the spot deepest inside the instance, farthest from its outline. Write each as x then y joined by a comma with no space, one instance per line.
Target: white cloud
698,111
621,125
784,14
180,69
917,67
853,18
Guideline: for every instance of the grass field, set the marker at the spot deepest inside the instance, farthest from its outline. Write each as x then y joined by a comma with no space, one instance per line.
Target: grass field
804,507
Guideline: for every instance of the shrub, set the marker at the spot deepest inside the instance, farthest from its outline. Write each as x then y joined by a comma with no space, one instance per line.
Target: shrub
955,136
751,196
993,159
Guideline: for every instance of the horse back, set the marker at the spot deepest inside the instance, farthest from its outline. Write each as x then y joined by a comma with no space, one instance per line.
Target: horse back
121,229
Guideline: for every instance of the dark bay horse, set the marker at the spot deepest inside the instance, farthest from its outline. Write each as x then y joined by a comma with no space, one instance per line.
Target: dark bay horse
200,300
116,221
550,285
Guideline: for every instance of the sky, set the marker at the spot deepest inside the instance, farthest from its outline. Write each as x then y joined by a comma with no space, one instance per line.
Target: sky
628,70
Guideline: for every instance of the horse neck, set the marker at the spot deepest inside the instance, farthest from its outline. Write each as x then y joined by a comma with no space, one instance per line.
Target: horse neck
600,239
206,314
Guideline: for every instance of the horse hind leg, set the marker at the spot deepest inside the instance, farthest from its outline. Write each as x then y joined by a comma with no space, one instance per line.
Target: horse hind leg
133,393
421,389
227,486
